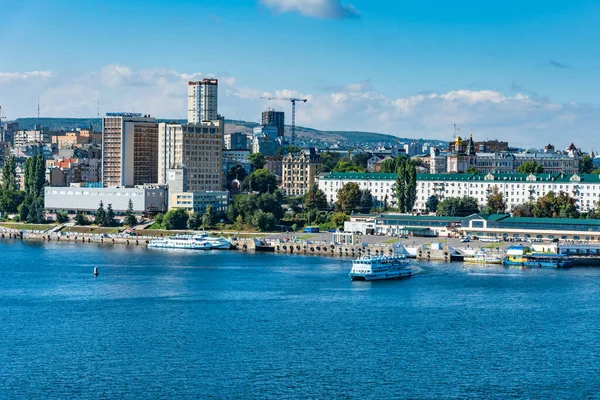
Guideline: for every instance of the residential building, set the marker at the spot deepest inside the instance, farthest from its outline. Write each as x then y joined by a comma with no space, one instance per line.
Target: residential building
145,198
237,141
129,150
196,147
31,136
265,145
196,202
202,101
76,139
299,171
491,146
7,132
236,154
275,166
516,188
274,118
372,161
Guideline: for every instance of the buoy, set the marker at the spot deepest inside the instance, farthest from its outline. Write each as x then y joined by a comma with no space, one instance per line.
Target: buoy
95,271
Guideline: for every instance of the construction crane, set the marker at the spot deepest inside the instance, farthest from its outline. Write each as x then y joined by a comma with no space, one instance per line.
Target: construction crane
293,100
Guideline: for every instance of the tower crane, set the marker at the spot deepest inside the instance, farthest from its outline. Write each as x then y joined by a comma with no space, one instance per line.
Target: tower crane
293,100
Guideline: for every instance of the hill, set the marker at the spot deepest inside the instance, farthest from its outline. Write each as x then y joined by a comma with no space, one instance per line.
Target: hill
306,136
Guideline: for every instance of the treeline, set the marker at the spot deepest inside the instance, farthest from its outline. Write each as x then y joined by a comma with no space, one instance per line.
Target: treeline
27,204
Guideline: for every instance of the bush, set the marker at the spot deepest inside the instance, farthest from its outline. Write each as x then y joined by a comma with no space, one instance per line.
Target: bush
62,217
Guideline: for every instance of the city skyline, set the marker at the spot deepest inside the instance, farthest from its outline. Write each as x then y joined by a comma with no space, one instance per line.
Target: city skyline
523,73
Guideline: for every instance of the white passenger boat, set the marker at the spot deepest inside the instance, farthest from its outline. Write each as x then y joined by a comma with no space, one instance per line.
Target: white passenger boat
190,242
482,257
217,243
370,268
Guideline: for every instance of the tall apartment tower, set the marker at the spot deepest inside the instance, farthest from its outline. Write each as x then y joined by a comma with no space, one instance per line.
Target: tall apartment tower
274,118
129,150
202,101
195,148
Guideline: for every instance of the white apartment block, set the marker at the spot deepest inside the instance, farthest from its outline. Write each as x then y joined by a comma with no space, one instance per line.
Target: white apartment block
31,136
196,202
196,147
516,188
202,101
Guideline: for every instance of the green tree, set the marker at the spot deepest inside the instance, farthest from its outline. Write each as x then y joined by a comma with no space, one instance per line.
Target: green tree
349,198
39,175
209,218
388,166
432,203
80,219
338,219
159,219
264,221
366,201
530,167
23,209
236,172
523,210
328,160
261,181
36,212
100,216
109,217
130,218
194,221
9,175
495,202
346,166
257,161
288,149
586,164
406,186
10,200
62,217
315,198
361,160
175,219
471,171
458,207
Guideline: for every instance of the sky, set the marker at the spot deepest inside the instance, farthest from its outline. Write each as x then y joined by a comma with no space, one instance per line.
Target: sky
523,71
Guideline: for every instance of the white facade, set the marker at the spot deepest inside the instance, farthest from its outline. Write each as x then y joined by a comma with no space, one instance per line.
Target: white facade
203,101
32,136
196,202
516,188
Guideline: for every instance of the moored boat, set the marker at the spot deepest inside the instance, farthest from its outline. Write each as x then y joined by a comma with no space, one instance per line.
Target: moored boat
370,268
216,243
525,257
189,242
482,257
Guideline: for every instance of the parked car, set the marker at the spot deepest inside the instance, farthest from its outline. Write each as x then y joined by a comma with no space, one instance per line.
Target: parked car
465,239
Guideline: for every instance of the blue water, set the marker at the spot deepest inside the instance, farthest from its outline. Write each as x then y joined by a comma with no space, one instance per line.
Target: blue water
159,324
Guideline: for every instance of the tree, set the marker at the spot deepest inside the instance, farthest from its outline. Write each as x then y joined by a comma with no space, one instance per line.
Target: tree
80,219
159,219
261,181
432,203
458,207
23,209
257,160
586,164
36,212
288,149
361,160
100,216
388,166
236,172
315,198
175,219
471,171
130,218
209,217
109,217
345,166
406,186
366,201
349,198
338,219
530,167
62,217
9,175
194,221
39,176
328,161
10,200
495,202
523,210
264,221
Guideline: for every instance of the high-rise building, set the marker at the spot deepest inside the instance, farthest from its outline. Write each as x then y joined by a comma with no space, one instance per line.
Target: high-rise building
274,118
198,148
236,141
129,150
202,101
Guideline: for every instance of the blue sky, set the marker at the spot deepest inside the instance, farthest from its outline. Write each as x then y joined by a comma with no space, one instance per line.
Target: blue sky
527,71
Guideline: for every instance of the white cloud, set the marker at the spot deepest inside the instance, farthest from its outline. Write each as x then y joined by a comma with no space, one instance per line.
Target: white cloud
328,9
12,76
521,119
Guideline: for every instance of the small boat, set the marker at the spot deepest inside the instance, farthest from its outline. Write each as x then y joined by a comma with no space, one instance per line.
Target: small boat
524,257
370,268
189,242
481,257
